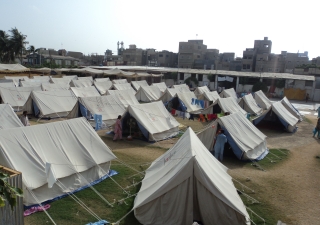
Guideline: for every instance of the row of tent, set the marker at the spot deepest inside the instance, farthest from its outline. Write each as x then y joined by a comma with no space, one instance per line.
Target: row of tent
66,156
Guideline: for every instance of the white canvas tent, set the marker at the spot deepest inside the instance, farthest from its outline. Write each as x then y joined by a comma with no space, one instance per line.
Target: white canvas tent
148,94
187,99
33,83
229,93
102,79
70,77
85,91
103,85
109,106
186,184
211,96
169,94
55,158
248,103
81,83
200,90
63,80
162,86
17,79
42,78
277,110
262,100
230,105
53,104
137,84
125,86
154,120
17,97
246,141
127,97
55,87
6,83
8,118
285,102
120,81
86,78
13,68
182,87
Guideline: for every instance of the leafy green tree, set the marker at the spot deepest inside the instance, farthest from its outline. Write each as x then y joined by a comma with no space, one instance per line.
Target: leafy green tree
7,192
17,42
6,53
260,86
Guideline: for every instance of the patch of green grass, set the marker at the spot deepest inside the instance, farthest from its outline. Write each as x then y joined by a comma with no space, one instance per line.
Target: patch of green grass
67,211
307,119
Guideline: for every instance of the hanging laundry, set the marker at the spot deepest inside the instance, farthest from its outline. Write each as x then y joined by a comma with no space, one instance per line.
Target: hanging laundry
201,103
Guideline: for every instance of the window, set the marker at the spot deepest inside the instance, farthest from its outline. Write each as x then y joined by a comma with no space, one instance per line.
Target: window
245,57
75,63
270,70
57,62
182,76
249,57
193,76
181,57
127,56
67,62
200,77
309,83
167,56
248,66
266,46
199,47
198,56
277,69
306,69
181,47
160,55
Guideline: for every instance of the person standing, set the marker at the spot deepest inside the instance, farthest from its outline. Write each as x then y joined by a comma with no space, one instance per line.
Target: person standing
24,119
221,139
118,129
307,97
318,110
317,129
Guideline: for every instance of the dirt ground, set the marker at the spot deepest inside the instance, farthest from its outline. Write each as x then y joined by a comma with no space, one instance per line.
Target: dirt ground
291,188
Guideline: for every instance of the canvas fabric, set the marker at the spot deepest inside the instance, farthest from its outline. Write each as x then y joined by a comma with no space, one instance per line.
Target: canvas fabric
201,90
103,85
285,102
120,81
210,96
162,86
148,94
69,151
137,84
81,83
187,183
229,93
249,105
262,100
54,87
90,91
126,97
230,105
182,87
8,118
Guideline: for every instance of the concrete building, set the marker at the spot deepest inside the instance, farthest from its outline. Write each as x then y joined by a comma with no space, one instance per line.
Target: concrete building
167,59
189,52
77,55
58,60
134,56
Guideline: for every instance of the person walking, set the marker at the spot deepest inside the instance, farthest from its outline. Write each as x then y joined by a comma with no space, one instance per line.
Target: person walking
317,129
221,139
24,119
118,129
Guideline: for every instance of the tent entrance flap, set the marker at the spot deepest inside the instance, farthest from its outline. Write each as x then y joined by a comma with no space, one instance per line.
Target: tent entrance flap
130,126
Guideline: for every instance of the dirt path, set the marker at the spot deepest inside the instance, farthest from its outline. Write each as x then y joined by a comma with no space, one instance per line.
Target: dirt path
293,187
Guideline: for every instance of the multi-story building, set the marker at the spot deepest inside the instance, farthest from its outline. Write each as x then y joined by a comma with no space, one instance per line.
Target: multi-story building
167,59
189,52
77,55
134,56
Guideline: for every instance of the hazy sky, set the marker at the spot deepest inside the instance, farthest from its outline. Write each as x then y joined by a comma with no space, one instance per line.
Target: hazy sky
92,26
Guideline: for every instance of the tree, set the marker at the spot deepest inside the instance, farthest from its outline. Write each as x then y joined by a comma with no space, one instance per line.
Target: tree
260,86
6,53
7,192
17,42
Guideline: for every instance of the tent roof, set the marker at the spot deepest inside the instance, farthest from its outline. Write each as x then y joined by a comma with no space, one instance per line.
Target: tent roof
247,137
211,96
283,113
70,77
290,108
229,93
54,103
8,117
125,86
262,100
250,104
103,86
109,106
87,70
13,68
54,87
186,98
126,97
201,90
137,84
102,79
69,146
148,93
81,83
154,117
188,158
63,80
182,87
16,96
85,91
230,105
120,81
162,86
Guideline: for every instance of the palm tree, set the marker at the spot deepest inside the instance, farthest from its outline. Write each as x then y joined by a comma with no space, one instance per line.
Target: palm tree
17,42
31,49
6,55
